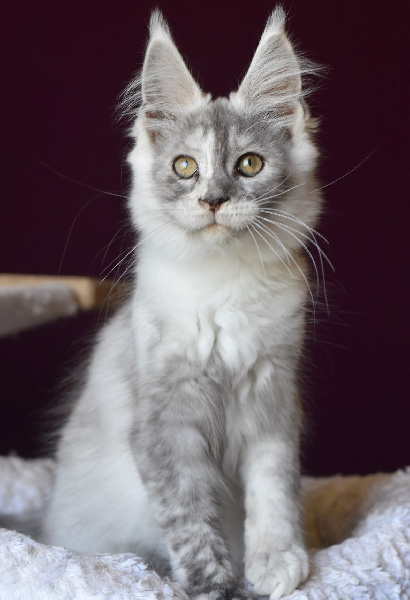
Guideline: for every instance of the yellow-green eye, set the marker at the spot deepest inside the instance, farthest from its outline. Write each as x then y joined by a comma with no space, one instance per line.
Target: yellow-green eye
249,165
185,166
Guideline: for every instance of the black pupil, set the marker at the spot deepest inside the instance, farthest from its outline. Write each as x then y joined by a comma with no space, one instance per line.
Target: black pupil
248,162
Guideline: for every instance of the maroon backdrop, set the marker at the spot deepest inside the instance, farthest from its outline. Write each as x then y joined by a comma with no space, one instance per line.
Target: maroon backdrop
65,64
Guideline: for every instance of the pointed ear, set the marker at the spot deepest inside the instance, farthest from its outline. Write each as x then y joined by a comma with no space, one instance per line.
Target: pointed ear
272,84
167,87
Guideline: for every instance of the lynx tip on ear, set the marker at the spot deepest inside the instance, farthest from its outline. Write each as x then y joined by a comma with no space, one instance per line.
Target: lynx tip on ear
158,27
276,21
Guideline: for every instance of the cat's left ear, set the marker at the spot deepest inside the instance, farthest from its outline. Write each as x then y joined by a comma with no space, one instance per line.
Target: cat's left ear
272,86
167,86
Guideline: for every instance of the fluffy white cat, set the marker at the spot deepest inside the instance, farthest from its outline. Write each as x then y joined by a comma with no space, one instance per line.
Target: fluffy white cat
183,443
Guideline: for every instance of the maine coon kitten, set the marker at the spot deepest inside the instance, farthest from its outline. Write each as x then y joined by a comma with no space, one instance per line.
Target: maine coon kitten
183,445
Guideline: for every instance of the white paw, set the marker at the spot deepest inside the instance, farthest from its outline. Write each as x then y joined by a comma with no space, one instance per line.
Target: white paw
277,572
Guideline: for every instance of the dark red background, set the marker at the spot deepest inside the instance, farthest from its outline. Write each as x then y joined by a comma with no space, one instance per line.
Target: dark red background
64,66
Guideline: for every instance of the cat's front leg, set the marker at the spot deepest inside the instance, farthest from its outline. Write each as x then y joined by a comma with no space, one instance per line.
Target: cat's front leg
275,557
177,442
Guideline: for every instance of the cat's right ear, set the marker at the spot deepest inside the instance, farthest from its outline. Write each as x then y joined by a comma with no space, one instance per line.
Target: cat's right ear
167,86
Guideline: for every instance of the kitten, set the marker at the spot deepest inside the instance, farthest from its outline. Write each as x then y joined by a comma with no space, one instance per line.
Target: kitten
183,445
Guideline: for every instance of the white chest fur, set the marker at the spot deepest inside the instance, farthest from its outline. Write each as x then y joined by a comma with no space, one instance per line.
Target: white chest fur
224,307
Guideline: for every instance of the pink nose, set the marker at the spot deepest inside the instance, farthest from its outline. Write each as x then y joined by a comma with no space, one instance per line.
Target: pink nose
214,205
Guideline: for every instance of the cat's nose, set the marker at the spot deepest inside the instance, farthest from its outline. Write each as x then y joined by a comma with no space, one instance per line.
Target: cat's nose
213,204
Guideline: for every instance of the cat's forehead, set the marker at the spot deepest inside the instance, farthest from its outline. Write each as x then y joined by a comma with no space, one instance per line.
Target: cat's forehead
220,124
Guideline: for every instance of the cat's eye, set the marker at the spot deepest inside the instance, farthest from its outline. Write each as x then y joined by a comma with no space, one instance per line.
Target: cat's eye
249,165
185,166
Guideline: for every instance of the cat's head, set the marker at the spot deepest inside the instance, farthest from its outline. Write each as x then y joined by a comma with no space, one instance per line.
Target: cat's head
231,172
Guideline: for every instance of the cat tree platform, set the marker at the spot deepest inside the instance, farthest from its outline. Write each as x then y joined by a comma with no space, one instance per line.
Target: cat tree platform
30,300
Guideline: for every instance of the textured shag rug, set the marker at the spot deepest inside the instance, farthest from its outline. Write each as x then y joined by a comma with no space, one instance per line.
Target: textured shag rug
366,521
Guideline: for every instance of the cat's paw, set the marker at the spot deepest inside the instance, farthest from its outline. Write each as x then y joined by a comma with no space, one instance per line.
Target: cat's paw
278,572
224,592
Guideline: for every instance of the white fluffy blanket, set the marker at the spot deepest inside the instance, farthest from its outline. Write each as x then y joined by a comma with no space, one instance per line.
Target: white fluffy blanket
372,562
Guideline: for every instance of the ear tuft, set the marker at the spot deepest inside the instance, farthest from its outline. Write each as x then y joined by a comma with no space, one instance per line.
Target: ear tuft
276,21
158,27
167,87
273,85
164,88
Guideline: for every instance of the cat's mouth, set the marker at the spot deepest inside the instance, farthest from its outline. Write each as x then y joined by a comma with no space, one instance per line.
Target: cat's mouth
221,228
212,223
217,229
216,224
215,234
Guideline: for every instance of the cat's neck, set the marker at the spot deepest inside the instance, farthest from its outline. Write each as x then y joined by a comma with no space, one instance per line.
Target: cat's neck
240,264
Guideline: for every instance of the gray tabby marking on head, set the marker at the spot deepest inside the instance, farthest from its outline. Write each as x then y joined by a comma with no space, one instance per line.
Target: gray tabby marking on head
265,116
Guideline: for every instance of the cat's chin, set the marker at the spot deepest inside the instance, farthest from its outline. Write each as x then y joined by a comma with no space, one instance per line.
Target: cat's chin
216,235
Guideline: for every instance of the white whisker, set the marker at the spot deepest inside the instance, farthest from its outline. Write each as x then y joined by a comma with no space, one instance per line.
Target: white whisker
90,187
271,190
267,230
255,224
346,174
258,202
133,249
310,238
270,233
106,248
281,213
72,227
258,249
